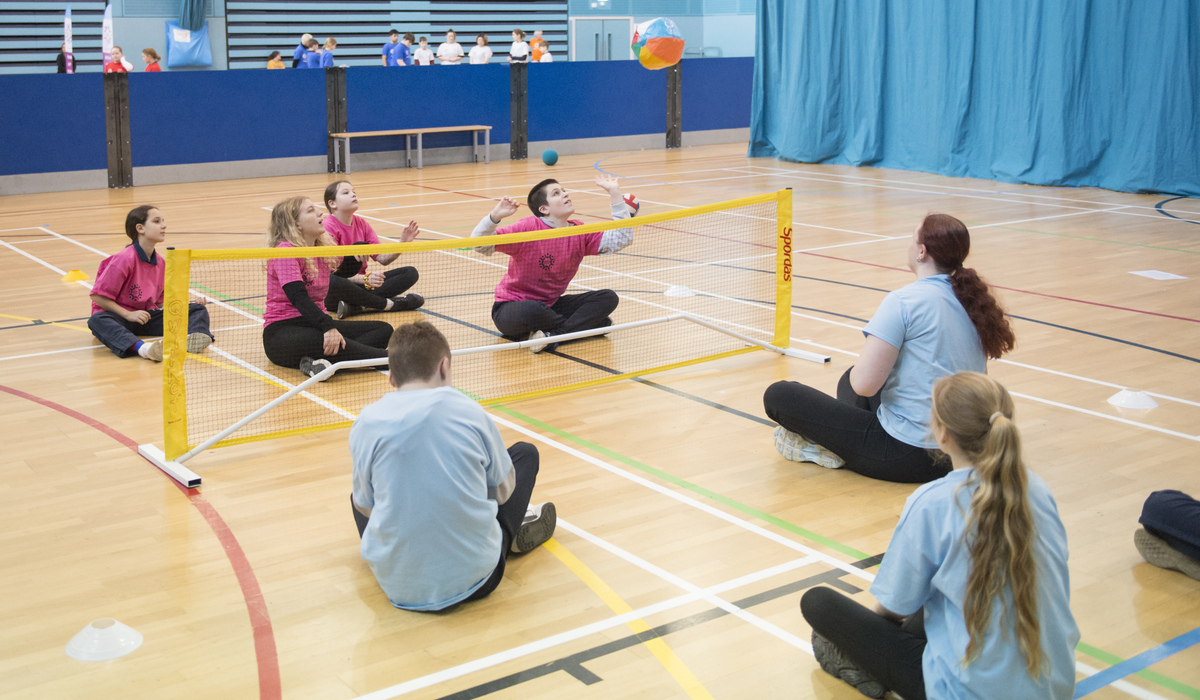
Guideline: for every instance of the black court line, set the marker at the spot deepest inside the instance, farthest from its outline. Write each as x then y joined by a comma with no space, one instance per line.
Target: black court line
1166,213
573,664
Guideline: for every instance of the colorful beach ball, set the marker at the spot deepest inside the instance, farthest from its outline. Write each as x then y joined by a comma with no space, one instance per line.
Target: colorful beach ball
657,43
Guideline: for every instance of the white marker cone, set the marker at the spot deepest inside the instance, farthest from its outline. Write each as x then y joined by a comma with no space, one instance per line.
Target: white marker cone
102,640
1126,398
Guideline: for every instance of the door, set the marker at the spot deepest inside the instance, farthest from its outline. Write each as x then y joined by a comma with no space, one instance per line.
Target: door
602,39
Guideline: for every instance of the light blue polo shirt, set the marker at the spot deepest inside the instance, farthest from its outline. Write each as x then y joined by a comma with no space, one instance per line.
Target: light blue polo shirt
423,463
926,567
936,338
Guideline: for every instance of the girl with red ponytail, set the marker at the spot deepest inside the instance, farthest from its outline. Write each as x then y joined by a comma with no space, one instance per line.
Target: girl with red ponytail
946,321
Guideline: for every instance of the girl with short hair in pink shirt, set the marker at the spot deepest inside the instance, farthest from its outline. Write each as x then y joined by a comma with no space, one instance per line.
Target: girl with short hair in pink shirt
530,303
127,297
352,289
296,332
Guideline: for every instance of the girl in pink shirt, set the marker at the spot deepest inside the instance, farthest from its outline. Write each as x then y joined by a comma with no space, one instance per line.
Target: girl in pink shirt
351,289
127,297
530,302
296,332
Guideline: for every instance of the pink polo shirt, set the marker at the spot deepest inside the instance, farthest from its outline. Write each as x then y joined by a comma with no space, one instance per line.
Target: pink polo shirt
131,280
281,271
359,231
542,270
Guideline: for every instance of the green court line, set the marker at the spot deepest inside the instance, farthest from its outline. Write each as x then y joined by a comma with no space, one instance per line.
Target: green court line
1152,676
684,484
227,298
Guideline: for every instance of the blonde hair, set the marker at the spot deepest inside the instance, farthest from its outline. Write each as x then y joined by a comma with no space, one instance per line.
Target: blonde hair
977,413
285,227
330,43
149,51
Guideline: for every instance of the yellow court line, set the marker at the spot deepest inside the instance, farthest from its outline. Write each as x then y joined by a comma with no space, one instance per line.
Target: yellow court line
46,323
674,665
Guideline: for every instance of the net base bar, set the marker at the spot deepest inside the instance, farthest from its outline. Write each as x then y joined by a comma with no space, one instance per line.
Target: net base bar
176,466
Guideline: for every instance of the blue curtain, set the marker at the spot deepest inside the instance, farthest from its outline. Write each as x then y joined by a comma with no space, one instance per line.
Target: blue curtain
1053,92
191,15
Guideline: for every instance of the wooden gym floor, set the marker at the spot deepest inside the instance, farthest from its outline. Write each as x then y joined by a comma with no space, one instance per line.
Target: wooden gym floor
677,514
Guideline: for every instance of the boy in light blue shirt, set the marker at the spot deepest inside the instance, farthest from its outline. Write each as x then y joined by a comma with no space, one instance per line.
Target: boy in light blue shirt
439,502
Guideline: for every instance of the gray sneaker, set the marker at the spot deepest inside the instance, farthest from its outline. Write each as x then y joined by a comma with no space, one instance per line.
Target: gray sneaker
837,665
152,351
196,342
1156,551
313,367
795,448
537,527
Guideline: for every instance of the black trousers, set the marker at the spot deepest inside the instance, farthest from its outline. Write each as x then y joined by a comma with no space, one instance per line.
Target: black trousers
849,427
572,312
120,335
510,515
396,281
1174,516
891,653
289,340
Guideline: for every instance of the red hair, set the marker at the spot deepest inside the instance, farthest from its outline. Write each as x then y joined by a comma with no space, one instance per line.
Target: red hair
947,241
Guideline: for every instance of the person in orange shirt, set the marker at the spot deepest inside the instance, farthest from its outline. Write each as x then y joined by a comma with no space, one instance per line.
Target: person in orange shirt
116,64
151,57
274,62
538,45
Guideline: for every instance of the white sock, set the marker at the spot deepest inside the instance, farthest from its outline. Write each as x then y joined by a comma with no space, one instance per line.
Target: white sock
144,350
388,306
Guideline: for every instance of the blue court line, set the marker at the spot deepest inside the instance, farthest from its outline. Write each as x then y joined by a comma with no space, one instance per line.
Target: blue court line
1138,663
1164,212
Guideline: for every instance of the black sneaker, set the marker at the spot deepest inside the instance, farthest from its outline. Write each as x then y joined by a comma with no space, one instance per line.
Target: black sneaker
408,302
837,665
312,368
346,310
537,527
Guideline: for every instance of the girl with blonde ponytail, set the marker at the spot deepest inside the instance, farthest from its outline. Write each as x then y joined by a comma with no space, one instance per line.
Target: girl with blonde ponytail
973,593
296,332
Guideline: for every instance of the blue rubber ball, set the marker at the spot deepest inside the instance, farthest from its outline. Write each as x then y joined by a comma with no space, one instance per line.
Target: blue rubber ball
549,156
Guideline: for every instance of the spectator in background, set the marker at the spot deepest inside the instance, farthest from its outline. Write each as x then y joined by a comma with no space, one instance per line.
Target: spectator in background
116,63
519,53
480,54
65,60
312,54
385,53
151,58
545,57
423,56
301,50
327,55
537,46
450,53
274,61
402,52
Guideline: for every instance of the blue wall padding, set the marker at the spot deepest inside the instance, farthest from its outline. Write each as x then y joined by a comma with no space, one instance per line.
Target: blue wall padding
379,98
52,123
1051,93
587,99
210,116
716,93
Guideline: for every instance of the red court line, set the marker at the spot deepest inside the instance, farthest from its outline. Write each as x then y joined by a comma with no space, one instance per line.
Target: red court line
1021,291
269,687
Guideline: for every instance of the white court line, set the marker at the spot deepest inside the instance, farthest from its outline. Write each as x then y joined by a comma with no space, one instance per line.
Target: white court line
51,352
781,173
1069,407
37,260
696,264
1094,381
1126,686
740,613
427,204
1043,218
288,386
572,635
34,240
22,228
72,240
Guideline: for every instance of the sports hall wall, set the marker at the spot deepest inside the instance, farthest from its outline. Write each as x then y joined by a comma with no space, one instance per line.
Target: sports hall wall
1100,94
193,126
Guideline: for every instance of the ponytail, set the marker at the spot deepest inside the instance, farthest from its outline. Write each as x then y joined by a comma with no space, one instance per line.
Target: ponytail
947,241
977,414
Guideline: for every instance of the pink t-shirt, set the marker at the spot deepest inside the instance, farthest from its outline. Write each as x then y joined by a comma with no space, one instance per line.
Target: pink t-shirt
281,271
131,282
542,270
359,231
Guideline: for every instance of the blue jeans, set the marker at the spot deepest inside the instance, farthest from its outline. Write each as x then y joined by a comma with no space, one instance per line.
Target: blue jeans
1174,516
120,335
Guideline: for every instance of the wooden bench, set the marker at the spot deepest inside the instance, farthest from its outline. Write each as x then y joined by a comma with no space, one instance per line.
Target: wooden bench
344,139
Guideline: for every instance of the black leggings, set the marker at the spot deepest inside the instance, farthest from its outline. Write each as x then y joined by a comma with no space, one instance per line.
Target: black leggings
289,340
510,515
849,427
572,312
396,281
891,653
